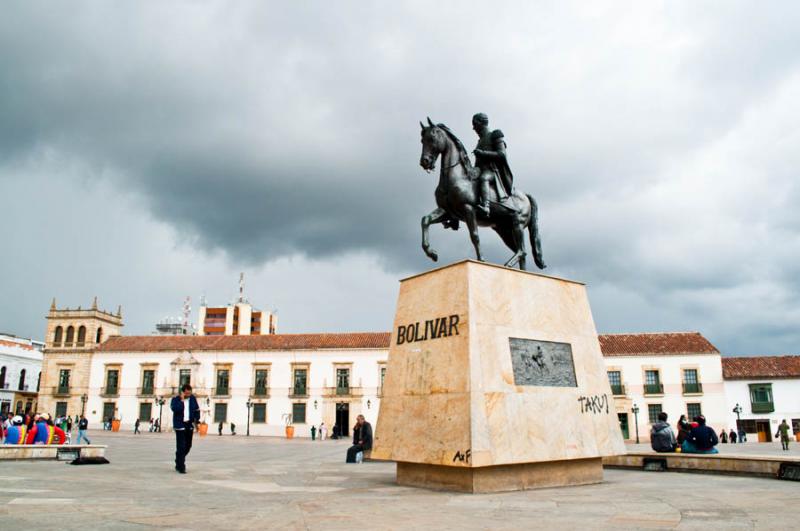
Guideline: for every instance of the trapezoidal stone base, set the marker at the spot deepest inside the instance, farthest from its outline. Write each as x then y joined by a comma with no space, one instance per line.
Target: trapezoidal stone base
501,478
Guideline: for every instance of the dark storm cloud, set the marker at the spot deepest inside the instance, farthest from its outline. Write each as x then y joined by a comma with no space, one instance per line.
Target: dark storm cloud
266,131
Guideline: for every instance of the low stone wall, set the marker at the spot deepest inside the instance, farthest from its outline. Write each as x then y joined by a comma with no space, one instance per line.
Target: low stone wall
41,451
711,463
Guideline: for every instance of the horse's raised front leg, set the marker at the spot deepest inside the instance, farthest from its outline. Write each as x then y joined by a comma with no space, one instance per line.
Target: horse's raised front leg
437,216
472,224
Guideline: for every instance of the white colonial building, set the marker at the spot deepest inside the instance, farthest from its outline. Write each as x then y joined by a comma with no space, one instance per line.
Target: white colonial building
679,373
20,371
302,379
764,390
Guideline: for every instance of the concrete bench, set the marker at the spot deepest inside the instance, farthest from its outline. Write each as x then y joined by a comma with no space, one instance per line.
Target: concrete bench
41,451
749,465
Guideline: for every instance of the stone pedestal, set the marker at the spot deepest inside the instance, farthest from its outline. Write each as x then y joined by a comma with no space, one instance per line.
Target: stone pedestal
495,382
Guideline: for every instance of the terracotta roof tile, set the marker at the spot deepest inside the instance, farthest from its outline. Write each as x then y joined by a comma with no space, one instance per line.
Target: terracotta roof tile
376,340
5,343
671,343
754,367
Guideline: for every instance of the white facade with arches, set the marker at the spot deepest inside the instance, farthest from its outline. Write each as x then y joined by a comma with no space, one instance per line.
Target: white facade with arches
20,371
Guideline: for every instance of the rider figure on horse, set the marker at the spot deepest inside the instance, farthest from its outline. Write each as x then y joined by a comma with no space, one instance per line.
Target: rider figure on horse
490,159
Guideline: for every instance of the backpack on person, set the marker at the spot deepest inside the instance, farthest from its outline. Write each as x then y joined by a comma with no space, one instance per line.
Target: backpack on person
662,438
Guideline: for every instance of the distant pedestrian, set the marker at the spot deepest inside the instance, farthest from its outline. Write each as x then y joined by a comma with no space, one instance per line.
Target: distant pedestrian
723,436
136,427
83,425
158,425
185,415
233,428
742,436
323,431
220,428
313,433
732,436
783,432
69,424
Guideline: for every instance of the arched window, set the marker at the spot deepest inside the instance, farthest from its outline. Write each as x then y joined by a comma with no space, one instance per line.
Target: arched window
81,336
58,336
99,336
3,378
70,336
22,380
39,381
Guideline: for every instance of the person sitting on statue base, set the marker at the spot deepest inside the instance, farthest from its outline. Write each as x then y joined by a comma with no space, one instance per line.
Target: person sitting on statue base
362,440
701,439
662,438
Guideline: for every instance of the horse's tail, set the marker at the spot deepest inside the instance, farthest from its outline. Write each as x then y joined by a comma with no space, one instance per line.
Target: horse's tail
533,228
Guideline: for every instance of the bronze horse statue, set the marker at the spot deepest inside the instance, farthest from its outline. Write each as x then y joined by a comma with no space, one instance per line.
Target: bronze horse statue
457,199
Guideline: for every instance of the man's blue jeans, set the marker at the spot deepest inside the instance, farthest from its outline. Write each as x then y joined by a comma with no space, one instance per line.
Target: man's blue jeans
82,435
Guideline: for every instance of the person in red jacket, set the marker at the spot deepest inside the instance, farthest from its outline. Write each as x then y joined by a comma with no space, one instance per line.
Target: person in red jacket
43,432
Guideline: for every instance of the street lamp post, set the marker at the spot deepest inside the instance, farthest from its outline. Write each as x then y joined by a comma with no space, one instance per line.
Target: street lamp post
249,405
738,411
160,402
635,411
84,398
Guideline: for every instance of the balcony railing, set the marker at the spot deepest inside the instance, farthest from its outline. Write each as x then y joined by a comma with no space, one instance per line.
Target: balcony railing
654,389
341,392
110,391
259,392
763,407
692,388
299,392
618,390
146,391
62,390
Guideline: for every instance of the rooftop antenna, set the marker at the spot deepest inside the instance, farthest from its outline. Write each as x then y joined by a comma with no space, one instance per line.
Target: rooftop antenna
187,310
241,287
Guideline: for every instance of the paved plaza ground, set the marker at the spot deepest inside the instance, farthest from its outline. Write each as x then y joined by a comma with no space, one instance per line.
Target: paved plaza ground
270,483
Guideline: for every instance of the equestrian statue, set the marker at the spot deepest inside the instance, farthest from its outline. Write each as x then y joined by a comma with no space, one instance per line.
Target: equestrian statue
480,195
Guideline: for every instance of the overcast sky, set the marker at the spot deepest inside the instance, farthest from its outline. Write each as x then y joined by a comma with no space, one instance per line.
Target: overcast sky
154,150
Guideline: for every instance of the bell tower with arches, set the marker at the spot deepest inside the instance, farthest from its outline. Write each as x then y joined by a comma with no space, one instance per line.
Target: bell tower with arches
72,336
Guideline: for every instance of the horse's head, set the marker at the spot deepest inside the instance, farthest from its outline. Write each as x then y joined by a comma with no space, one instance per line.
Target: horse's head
434,142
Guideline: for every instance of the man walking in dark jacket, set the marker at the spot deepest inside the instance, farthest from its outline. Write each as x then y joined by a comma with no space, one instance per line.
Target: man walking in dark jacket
185,414
362,439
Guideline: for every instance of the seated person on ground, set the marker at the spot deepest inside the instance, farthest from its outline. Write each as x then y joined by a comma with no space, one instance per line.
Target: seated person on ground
362,439
701,439
662,438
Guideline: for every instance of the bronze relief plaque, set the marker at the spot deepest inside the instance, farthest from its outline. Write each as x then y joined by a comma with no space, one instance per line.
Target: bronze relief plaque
542,363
